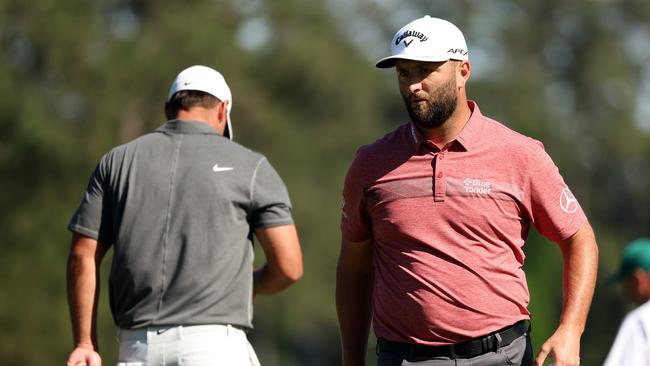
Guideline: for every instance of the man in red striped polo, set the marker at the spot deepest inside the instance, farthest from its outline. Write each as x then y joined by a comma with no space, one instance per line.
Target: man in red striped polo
435,217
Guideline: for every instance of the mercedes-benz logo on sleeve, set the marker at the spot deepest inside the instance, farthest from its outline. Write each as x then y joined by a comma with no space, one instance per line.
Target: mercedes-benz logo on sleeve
568,202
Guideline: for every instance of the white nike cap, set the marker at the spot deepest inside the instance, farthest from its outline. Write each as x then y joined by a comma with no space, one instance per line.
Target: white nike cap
426,39
207,80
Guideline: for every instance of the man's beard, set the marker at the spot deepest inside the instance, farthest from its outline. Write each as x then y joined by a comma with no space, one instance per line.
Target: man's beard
440,105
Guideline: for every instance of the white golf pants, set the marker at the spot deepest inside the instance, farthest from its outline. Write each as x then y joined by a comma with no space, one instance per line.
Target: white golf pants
197,345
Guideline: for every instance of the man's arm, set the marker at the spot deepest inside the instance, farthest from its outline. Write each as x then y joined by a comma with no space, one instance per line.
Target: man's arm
354,282
580,256
283,265
83,294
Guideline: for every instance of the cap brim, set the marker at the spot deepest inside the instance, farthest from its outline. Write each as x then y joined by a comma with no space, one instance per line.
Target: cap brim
228,131
388,62
619,276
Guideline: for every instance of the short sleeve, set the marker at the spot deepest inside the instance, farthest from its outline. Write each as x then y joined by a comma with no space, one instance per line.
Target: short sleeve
355,222
93,217
553,209
269,198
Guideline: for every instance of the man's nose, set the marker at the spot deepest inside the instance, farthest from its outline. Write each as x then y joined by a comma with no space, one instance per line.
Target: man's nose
414,84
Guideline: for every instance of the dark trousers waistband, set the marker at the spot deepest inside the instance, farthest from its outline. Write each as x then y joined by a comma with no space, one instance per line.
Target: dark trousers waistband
469,349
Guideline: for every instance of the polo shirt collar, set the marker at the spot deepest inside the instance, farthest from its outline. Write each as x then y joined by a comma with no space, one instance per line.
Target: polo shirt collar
467,138
187,127
417,137
471,134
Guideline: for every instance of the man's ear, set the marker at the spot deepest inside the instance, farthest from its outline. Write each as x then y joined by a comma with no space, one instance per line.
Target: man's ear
222,110
464,71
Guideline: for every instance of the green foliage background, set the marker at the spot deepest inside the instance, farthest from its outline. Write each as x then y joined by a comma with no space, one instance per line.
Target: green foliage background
78,77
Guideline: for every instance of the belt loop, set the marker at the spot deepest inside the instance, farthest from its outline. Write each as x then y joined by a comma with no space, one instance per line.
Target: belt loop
486,345
452,351
497,345
228,329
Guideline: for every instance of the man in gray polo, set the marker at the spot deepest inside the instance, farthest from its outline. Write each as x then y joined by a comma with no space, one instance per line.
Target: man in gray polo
179,206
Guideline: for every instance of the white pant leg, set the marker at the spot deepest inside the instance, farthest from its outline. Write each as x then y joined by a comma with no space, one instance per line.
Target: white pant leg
201,345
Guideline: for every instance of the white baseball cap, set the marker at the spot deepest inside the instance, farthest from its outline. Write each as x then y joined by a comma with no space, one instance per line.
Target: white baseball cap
207,80
426,39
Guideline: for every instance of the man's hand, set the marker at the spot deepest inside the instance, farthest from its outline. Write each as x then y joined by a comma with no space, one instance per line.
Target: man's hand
563,346
84,356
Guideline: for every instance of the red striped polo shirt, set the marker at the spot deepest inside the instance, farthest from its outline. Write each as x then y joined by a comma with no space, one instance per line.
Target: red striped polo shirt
449,225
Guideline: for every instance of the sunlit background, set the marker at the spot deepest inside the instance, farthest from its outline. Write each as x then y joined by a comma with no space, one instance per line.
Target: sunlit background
78,77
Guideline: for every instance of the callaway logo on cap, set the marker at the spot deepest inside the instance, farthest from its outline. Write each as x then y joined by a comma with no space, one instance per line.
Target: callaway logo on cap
426,39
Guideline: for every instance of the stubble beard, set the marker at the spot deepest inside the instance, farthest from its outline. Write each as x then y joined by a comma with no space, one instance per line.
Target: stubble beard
440,105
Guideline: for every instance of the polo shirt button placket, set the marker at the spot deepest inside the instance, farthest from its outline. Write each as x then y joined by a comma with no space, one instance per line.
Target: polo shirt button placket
439,186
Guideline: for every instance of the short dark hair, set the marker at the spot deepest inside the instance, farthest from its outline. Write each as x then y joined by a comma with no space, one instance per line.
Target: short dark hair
187,99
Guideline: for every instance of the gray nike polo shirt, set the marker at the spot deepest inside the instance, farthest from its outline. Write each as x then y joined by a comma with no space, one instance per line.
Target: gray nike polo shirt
179,206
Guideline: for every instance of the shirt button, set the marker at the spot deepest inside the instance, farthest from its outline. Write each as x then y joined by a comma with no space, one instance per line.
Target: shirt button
440,175
440,157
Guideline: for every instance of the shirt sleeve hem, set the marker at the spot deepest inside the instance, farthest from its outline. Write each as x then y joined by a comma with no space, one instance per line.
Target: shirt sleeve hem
83,231
273,223
569,231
